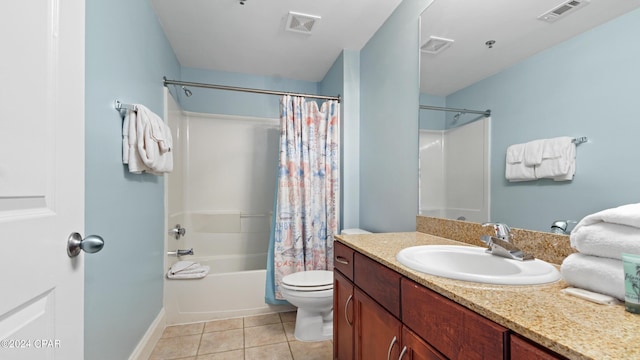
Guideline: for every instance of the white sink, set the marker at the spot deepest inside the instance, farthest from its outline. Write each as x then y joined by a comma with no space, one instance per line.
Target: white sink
474,264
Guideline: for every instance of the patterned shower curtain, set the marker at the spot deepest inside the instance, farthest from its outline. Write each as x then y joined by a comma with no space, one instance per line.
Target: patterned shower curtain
307,196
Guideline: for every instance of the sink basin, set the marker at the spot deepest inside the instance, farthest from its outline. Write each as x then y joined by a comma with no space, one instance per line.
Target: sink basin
474,264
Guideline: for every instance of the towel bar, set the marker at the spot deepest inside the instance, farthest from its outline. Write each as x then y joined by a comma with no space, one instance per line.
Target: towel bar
580,140
119,106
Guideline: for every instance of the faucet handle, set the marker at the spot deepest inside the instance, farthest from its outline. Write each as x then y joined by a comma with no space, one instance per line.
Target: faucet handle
503,231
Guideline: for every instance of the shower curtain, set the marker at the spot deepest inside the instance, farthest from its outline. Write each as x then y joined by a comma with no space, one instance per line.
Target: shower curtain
306,209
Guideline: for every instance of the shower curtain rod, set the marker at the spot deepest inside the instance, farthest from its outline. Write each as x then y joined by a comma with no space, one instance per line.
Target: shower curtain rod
486,113
251,90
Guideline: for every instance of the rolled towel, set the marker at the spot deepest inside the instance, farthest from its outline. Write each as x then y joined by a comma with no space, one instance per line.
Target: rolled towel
187,275
597,274
606,240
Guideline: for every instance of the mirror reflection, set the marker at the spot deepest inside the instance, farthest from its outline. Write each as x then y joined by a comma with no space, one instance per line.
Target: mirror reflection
542,75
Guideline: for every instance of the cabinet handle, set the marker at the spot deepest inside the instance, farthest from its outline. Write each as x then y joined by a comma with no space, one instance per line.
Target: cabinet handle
393,342
346,304
404,351
342,260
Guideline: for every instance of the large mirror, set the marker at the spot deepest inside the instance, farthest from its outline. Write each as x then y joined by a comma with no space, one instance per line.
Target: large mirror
545,69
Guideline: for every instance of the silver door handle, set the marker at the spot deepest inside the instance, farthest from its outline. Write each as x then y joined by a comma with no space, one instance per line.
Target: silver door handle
177,231
393,342
91,244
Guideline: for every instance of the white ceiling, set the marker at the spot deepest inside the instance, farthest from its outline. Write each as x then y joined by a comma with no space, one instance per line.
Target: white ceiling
225,35
514,27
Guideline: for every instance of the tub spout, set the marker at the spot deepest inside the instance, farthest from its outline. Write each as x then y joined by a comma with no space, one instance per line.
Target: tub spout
180,252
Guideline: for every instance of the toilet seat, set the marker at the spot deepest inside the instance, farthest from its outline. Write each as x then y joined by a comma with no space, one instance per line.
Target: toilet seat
312,280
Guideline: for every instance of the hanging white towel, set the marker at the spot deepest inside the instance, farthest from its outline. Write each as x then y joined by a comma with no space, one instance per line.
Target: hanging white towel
601,275
515,169
558,159
130,155
533,152
606,240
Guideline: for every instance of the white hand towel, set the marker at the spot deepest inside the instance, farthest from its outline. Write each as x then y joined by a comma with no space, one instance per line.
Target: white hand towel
533,152
606,240
558,159
515,170
623,215
181,275
194,269
601,275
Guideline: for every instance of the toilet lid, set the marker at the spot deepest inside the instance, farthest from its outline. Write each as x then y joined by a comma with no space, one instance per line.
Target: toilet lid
313,280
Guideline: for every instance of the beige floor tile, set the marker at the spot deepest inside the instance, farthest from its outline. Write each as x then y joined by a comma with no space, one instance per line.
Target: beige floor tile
221,341
260,320
264,335
268,352
289,329
317,350
182,330
226,324
289,316
176,347
227,355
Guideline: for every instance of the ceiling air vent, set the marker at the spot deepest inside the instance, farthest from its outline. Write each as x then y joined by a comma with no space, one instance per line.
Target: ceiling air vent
301,23
435,45
562,10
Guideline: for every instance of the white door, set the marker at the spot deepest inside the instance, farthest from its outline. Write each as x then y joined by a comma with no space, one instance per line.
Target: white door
41,178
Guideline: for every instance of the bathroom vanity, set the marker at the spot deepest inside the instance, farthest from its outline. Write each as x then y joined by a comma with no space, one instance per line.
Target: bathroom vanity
383,310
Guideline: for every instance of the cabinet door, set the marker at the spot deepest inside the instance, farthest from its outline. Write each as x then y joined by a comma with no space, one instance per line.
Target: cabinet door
416,348
378,333
522,349
343,321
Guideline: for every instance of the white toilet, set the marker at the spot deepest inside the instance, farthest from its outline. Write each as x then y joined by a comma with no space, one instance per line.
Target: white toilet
312,293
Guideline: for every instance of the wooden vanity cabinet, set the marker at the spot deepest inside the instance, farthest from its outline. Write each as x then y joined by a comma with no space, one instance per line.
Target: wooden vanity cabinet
343,311
523,349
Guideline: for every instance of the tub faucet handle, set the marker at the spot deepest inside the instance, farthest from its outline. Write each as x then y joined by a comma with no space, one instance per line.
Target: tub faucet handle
181,252
177,231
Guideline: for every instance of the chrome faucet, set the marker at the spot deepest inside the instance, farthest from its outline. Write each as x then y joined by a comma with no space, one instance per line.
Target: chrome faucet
500,244
181,252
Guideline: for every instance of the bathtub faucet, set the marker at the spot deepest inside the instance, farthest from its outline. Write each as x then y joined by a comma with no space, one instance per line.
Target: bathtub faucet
181,252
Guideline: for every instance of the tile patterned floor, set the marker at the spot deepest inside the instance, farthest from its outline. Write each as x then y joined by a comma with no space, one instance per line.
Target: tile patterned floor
260,337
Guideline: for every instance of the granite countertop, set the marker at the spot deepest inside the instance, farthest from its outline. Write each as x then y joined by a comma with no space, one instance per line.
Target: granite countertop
572,327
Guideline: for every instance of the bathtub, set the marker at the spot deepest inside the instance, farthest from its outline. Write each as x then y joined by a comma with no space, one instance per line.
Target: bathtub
218,296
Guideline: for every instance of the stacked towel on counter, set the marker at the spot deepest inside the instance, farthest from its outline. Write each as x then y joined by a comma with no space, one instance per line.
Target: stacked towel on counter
600,239
146,142
541,159
187,270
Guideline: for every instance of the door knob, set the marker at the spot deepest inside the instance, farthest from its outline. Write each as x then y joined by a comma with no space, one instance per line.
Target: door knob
90,244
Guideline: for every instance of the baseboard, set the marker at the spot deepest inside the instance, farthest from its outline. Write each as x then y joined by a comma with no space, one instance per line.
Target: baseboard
150,338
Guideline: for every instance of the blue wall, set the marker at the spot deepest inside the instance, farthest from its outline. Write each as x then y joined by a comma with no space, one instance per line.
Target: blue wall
432,119
586,86
126,57
389,93
238,103
344,78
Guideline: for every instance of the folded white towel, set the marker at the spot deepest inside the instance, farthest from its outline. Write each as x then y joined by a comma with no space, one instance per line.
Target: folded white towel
187,275
533,152
181,265
515,169
598,274
606,240
558,159
623,215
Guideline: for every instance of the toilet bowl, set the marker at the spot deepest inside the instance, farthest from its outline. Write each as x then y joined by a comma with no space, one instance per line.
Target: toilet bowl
312,293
